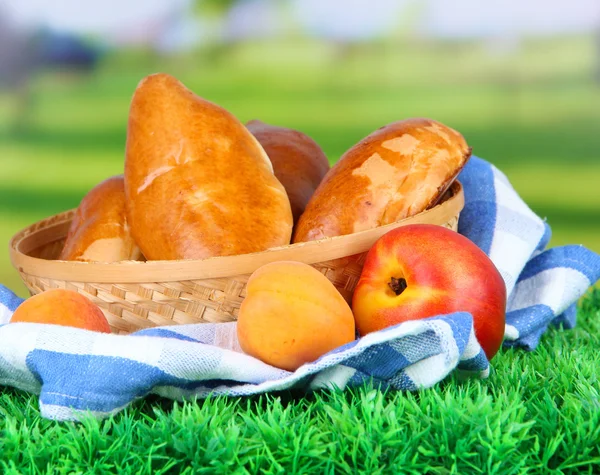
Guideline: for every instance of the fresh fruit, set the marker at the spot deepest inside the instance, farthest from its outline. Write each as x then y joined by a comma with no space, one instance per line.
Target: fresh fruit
62,307
422,270
292,315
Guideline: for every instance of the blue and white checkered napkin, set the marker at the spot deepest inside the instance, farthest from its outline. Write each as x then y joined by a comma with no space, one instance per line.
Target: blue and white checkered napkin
75,370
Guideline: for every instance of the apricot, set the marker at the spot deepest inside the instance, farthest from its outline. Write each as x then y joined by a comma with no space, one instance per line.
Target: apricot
62,307
292,315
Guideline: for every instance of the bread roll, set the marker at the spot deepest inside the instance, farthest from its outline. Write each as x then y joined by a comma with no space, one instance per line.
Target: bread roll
99,230
298,161
396,172
197,182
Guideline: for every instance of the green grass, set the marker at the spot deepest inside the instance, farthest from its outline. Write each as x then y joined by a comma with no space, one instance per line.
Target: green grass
539,412
534,114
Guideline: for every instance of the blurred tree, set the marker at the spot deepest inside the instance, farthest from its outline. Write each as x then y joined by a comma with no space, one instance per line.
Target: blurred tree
24,53
213,14
214,8
598,53
18,57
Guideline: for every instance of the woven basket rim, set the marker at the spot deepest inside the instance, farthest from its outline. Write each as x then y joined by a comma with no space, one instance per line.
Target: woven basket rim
311,252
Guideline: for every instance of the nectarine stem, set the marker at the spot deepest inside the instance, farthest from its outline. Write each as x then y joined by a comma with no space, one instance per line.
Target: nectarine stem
398,285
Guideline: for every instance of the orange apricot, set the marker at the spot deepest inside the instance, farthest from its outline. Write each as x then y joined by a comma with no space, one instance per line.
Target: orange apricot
292,315
62,307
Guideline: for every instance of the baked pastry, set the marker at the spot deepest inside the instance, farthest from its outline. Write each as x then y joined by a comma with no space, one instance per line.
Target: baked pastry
298,161
197,182
397,171
99,231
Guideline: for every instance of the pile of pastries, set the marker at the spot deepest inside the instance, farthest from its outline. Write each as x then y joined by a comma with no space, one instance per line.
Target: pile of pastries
198,183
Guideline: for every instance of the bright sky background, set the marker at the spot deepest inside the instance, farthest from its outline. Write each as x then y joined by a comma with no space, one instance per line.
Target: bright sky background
87,16
340,17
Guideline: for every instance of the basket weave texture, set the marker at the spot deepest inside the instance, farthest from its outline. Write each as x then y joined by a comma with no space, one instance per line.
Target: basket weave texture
137,295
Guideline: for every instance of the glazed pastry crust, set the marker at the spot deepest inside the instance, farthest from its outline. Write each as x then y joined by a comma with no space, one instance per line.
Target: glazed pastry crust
197,182
99,231
298,161
396,172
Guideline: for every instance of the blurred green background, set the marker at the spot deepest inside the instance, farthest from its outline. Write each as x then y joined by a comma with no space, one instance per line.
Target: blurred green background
527,99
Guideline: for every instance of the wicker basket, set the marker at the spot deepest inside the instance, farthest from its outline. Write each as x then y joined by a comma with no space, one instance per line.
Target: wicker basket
136,295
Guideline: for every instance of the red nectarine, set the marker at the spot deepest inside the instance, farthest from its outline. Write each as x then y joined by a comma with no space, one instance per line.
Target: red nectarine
419,271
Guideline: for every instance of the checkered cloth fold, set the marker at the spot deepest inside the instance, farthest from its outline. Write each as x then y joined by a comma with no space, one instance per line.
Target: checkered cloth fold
75,371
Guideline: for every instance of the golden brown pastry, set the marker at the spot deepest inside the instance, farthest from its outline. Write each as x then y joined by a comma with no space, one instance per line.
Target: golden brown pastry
197,182
99,230
396,172
298,161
